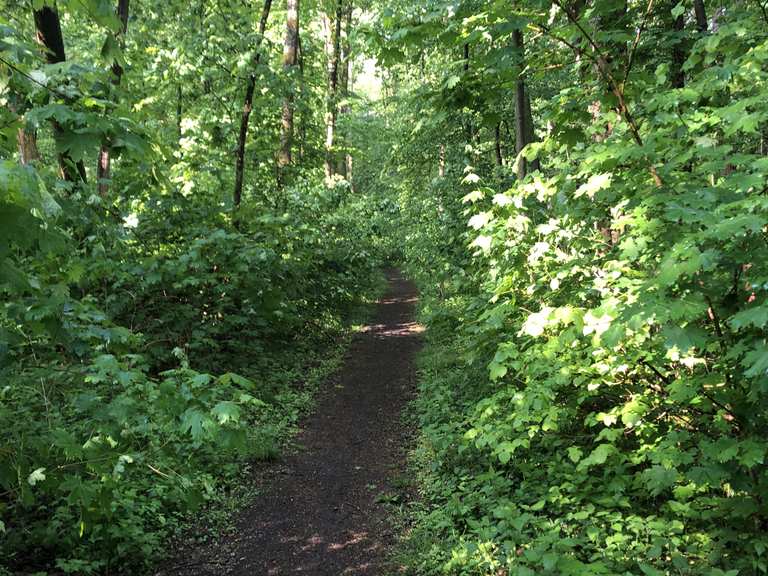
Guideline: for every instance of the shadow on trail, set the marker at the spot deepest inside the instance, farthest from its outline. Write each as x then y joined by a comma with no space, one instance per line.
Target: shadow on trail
320,512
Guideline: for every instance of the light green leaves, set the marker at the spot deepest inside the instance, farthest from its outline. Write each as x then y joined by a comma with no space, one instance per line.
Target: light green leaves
592,186
632,412
598,456
575,454
537,322
37,475
478,221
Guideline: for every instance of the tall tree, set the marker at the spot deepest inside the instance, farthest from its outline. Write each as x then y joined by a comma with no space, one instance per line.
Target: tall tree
333,49
245,115
103,165
497,144
48,32
701,15
26,140
523,115
290,61
679,51
345,162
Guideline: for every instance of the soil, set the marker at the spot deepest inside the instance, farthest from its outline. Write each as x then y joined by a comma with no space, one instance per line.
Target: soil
321,510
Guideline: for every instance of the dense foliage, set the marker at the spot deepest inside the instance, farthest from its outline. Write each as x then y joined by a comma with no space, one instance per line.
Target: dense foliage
156,332
195,197
593,399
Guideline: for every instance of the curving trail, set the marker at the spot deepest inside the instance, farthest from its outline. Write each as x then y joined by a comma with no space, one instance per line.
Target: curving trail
319,512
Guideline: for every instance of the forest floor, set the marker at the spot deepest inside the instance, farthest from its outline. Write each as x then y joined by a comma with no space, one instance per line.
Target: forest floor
321,508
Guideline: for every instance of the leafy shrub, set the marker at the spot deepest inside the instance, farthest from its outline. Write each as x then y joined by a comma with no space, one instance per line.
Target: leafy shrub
601,408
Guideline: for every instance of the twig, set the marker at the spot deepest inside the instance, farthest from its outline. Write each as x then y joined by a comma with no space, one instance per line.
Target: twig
633,50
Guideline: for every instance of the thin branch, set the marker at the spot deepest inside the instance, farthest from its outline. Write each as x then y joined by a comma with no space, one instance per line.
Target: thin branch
633,50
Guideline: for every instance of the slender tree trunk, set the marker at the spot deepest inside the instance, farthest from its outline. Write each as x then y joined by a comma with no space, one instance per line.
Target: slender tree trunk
103,165
179,111
679,52
28,151
48,32
290,60
521,131
302,127
333,49
245,115
468,128
497,144
441,161
346,61
701,15
530,134
26,141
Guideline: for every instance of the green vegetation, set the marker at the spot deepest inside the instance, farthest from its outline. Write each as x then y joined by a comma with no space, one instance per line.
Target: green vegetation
196,197
594,392
154,335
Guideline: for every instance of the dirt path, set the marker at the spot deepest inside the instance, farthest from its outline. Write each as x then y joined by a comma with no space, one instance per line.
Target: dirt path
320,511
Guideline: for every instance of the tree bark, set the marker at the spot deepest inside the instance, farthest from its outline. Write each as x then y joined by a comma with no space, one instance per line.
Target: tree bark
104,162
179,102
345,163
468,128
247,109
521,130
302,127
678,53
290,60
497,144
701,15
48,33
441,161
27,142
530,134
333,49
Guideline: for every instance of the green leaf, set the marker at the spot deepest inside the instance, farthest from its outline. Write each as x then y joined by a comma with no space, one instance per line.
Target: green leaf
595,183
658,479
756,316
226,412
598,456
36,476
192,421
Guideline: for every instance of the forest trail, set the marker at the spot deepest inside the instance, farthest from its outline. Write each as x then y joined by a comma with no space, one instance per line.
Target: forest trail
320,511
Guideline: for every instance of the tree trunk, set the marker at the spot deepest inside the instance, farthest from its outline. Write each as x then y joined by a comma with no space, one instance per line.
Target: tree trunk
48,33
468,128
245,115
441,161
290,60
497,144
179,101
346,79
521,131
679,52
302,127
701,15
333,49
530,135
27,141
103,165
